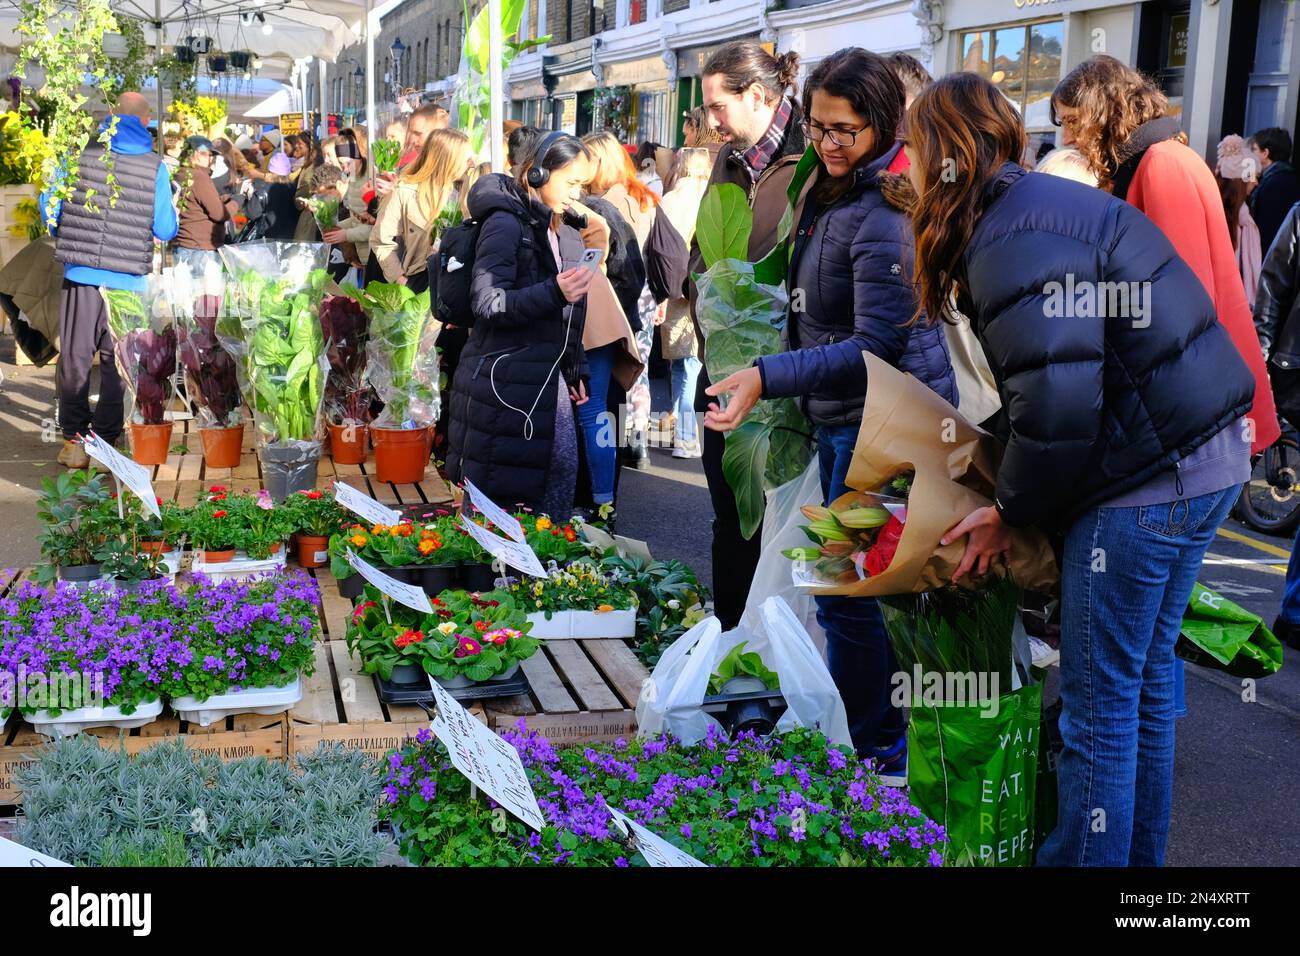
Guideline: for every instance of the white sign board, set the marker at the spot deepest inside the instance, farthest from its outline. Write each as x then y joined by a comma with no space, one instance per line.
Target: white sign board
656,850
399,591
517,554
494,513
363,506
15,854
129,473
485,759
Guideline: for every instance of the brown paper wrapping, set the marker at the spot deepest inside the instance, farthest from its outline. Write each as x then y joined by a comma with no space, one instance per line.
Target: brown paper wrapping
906,426
606,324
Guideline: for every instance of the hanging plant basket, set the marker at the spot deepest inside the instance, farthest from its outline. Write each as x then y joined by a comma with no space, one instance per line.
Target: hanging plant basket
240,59
199,45
217,62
184,54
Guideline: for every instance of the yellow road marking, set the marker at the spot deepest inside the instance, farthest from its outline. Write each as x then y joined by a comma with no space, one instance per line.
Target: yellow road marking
1257,545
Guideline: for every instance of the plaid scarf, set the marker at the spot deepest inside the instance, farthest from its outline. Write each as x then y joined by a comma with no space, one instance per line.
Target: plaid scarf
756,158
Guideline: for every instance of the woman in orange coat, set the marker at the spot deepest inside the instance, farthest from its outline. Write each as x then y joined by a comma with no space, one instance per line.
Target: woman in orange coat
1119,120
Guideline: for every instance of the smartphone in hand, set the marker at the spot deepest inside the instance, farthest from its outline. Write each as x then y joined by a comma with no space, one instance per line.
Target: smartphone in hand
591,259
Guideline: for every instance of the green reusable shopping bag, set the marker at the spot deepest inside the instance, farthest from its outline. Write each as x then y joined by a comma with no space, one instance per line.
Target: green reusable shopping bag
1217,633
975,772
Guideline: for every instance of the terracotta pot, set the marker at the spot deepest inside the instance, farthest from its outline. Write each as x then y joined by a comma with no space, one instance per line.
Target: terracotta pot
218,557
313,550
401,454
275,548
348,444
222,446
152,547
150,443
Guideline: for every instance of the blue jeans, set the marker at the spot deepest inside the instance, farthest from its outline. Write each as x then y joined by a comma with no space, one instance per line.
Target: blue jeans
1126,576
684,372
858,653
602,451
1291,595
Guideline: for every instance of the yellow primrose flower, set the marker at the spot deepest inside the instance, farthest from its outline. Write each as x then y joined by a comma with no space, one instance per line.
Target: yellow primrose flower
359,540
379,529
447,628
543,523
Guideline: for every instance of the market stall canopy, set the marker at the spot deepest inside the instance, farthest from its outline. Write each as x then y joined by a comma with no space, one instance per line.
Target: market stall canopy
298,28
284,100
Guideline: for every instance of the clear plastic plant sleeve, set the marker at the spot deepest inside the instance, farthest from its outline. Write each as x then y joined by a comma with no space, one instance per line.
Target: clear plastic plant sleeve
401,357
346,329
144,345
271,326
195,292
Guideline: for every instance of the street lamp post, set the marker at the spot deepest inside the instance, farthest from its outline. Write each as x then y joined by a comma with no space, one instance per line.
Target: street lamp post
397,49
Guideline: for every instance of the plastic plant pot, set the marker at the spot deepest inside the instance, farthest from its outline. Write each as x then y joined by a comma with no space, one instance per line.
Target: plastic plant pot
352,586
313,550
409,674
407,574
477,577
222,447
757,710
348,444
218,557
401,454
507,674
81,575
453,683
289,469
150,444
436,578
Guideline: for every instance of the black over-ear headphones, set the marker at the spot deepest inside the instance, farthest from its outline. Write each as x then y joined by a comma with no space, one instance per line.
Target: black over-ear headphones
538,175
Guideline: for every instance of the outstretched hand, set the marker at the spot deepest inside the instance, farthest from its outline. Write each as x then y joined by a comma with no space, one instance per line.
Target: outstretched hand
744,389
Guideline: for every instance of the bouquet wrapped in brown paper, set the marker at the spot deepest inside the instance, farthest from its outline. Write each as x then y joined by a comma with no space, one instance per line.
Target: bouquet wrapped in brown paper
910,432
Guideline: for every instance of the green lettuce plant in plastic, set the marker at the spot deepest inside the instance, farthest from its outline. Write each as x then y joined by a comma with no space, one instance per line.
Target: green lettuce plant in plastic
741,307
401,358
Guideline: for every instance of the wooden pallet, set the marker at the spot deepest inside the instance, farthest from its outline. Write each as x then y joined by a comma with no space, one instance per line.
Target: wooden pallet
185,476
581,691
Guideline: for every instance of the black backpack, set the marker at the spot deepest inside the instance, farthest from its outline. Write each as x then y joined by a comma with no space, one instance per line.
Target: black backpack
450,270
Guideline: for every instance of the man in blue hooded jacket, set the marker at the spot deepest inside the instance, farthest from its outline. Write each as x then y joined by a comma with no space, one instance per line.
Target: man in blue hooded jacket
105,246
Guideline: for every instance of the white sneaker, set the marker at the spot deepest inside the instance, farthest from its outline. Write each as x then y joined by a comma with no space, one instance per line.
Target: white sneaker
688,450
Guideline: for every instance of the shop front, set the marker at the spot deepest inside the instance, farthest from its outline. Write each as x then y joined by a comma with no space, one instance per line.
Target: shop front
566,73
817,29
649,93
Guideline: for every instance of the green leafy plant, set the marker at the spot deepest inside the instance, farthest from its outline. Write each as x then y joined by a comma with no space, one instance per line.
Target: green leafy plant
24,151
401,359
472,105
91,805
325,211
214,526
742,319
742,663
315,513
385,154
75,514
582,586
669,597
68,43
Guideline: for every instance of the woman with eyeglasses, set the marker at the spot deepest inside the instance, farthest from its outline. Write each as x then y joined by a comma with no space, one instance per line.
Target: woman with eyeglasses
850,283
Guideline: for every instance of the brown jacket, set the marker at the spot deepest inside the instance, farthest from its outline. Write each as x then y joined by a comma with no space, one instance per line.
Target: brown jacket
203,220
767,196
402,237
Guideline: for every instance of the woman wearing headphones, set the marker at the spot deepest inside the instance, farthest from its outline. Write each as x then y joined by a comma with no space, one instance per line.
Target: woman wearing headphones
511,423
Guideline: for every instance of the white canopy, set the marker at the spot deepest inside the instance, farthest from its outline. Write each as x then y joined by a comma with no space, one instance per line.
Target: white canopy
284,100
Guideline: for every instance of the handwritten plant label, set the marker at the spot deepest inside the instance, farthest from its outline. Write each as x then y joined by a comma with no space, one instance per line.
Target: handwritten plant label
15,854
485,759
656,850
494,513
399,591
131,474
363,506
517,554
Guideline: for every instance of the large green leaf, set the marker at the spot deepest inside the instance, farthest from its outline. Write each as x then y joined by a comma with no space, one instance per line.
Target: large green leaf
724,224
744,461
476,40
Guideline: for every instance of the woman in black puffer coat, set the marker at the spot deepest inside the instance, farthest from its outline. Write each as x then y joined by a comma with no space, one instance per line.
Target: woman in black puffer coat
1123,398
850,282
511,426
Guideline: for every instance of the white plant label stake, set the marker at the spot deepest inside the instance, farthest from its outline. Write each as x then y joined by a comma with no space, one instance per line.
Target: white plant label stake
656,850
486,761
495,513
517,554
15,854
363,506
399,591
135,476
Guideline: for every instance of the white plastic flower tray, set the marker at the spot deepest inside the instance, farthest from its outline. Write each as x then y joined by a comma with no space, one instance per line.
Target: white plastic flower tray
237,568
83,718
254,700
568,625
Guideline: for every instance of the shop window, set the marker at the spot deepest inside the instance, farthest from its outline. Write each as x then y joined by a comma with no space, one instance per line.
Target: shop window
1023,61
636,11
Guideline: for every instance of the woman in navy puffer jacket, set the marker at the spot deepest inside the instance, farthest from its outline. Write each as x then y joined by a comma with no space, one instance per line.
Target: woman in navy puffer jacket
1123,397
851,291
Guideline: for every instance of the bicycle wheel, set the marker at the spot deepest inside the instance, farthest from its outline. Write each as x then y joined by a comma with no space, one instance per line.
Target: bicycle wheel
1270,501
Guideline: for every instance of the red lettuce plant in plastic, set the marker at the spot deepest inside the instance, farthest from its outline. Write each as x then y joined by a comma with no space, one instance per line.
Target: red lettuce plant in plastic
145,348
211,369
346,329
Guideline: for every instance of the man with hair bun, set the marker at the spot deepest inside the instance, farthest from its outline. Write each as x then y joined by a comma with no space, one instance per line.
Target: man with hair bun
750,100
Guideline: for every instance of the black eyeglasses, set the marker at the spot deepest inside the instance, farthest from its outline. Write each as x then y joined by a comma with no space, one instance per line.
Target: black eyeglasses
840,137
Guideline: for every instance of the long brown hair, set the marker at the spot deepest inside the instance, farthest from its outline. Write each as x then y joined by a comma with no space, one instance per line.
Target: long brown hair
613,166
1233,192
961,130
1112,100
444,161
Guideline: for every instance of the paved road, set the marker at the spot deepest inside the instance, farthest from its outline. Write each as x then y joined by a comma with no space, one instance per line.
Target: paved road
1236,778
